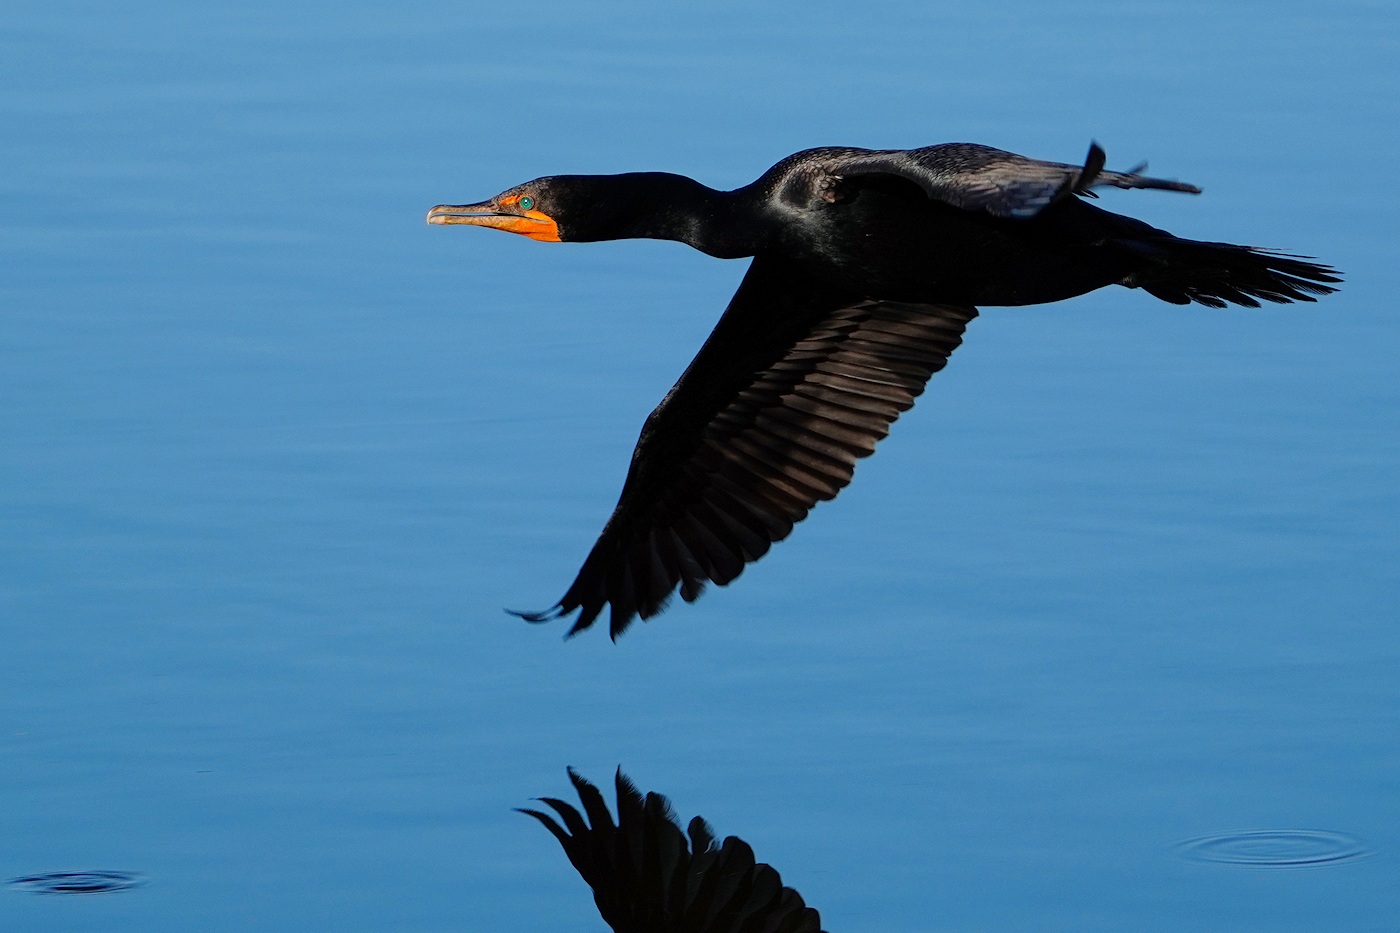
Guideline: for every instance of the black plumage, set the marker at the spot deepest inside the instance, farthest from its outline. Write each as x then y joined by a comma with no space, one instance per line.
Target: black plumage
868,265
649,876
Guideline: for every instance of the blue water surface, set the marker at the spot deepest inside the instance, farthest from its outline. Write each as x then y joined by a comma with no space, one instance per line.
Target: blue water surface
274,454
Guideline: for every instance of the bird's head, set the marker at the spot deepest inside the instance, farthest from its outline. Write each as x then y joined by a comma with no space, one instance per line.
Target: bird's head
524,209
589,208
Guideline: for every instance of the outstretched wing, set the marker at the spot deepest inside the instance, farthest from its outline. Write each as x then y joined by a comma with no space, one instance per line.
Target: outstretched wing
648,876
795,384
1001,183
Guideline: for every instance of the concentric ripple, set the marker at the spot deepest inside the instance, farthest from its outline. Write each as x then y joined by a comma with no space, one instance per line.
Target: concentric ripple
1274,848
79,882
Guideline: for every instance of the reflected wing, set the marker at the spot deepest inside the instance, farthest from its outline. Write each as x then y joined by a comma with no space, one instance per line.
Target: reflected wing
794,385
1001,183
648,877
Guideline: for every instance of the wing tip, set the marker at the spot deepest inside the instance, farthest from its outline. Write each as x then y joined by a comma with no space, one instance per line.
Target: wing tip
536,618
563,608
1093,174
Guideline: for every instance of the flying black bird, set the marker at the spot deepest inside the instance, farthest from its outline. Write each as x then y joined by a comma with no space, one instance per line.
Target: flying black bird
868,265
647,877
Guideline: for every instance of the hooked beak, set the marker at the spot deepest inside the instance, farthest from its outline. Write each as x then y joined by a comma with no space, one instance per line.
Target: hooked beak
536,225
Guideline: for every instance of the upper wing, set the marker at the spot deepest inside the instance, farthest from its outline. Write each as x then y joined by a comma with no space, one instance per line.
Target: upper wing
1001,183
648,878
796,383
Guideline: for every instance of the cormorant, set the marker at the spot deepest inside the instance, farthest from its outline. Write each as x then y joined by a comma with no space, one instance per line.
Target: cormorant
648,878
868,265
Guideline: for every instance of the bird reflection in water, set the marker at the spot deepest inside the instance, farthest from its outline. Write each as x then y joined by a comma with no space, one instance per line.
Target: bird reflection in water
649,876
867,266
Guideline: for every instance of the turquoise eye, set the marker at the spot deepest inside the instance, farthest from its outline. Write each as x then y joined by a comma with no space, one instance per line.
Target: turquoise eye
527,203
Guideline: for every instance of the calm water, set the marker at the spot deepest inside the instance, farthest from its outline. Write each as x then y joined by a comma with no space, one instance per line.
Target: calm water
274,454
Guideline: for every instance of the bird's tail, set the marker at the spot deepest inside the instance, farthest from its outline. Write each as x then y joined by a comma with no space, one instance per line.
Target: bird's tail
1216,274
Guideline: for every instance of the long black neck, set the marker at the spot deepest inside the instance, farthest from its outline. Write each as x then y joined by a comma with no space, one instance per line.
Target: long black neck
660,206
